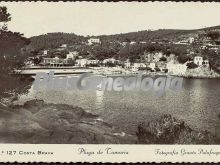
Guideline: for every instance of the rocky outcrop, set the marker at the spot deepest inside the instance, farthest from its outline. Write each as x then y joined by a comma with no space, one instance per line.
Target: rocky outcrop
201,72
169,130
38,122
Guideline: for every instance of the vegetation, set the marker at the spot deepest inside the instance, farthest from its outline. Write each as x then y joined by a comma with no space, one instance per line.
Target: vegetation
163,59
191,65
148,35
117,46
11,55
214,35
54,40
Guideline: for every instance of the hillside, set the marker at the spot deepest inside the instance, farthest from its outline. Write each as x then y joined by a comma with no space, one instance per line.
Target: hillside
161,34
52,40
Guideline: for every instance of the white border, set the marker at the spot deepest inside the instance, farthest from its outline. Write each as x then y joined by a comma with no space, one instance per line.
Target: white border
136,153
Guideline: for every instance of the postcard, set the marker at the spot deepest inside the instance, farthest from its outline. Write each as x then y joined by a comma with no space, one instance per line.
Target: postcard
109,82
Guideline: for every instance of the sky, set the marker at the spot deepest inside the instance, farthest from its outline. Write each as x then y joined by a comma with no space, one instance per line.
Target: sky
98,18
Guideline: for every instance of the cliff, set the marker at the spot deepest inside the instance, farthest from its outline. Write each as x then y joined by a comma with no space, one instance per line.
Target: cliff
169,130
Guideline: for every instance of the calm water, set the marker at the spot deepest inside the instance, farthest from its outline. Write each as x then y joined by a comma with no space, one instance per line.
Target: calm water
198,104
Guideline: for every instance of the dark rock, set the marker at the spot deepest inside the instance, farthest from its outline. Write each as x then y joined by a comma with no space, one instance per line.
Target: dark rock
169,130
39,122
34,105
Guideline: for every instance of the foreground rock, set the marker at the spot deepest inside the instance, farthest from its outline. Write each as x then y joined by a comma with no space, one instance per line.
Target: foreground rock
38,122
168,130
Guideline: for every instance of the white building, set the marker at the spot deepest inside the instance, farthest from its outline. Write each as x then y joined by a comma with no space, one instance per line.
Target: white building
152,65
203,47
132,42
45,52
171,57
127,65
110,60
56,61
81,62
191,40
137,66
92,61
72,55
198,60
94,41
183,42
176,69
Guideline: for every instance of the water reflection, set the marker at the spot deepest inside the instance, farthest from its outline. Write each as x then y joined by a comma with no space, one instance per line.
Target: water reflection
198,104
99,99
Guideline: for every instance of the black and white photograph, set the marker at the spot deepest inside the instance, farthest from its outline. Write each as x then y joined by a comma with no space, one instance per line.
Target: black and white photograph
110,73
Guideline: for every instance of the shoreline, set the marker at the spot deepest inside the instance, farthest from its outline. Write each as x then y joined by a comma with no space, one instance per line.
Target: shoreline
115,71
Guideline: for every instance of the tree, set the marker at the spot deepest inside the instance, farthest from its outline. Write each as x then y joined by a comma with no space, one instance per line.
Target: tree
163,59
214,35
4,18
183,58
4,15
10,53
157,69
192,65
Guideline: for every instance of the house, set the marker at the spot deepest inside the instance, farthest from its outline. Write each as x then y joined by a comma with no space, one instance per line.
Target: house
137,66
152,65
94,41
203,47
184,42
72,55
94,62
127,65
45,52
187,41
132,42
171,57
198,60
81,62
110,60
56,62
191,40
176,69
